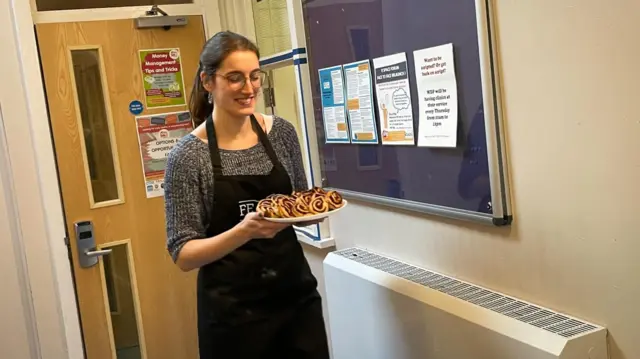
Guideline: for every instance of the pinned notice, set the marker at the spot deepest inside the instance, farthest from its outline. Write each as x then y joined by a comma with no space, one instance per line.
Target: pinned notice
157,135
438,96
362,119
162,77
394,99
333,105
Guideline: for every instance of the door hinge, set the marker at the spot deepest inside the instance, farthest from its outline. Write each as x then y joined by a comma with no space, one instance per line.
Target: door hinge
269,97
67,243
155,10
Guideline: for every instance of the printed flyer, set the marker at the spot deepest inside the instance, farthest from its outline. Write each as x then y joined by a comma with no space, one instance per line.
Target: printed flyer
162,78
333,105
394,99
362,118
438,97
157,134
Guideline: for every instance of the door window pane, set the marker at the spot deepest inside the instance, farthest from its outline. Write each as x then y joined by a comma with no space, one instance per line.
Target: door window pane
50,5
87,73
122,306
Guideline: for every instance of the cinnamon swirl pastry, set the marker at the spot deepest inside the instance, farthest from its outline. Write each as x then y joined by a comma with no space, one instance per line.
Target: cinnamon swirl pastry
318,190
305,198
334,199
276,197
286,207
301,210
300,203
319,204
268,208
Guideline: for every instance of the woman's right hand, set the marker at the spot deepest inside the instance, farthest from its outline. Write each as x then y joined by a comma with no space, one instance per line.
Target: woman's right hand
255,226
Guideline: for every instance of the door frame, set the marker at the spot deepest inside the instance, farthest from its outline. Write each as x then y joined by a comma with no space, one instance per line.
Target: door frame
318,236
48,283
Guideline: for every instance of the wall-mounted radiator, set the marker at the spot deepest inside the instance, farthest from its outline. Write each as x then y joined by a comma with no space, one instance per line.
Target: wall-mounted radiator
381,308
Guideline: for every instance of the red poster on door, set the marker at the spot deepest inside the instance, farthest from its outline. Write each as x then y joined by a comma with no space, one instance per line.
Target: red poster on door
157,135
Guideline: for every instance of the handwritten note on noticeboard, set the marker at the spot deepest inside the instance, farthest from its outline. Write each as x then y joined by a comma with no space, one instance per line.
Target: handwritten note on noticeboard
333,105
394,99
157,135
162,77
329,159
362,119
438,96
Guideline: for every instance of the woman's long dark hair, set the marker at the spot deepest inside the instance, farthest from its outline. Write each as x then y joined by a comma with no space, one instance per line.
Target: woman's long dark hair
215,50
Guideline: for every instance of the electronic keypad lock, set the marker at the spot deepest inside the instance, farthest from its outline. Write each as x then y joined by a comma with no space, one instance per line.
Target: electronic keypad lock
87,253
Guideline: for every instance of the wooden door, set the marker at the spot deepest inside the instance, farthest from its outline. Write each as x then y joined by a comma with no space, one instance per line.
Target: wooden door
134,302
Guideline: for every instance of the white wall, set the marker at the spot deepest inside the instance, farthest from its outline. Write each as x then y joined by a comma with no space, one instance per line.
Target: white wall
571,81
238,16
37,211
16,335
286,107
37,208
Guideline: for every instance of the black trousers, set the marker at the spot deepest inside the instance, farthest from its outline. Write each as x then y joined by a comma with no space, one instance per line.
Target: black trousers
298,333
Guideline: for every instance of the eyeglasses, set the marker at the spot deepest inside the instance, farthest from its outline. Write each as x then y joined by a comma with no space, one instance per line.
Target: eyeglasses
237,80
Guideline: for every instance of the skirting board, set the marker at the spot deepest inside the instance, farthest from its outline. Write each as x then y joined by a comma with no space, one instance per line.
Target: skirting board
322,244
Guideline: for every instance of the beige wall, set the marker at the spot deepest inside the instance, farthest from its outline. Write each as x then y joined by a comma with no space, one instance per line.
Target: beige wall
570,78
572,87
285,86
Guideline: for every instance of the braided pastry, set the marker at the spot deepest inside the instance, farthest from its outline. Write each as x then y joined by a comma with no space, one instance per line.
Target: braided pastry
300,203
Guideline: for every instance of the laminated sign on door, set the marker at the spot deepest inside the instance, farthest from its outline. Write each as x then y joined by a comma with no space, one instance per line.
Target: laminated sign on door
162,77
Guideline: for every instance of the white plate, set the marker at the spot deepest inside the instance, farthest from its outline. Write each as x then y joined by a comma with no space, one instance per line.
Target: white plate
314,217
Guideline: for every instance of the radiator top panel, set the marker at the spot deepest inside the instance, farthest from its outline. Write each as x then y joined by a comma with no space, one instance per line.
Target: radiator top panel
525,312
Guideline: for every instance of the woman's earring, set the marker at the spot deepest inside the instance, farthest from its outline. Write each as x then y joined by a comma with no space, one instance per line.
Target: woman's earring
210,98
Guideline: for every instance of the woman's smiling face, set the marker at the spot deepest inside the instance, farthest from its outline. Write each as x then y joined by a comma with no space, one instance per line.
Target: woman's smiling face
237,83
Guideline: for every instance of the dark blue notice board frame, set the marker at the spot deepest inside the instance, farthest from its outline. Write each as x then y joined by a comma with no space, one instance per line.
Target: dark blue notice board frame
469,182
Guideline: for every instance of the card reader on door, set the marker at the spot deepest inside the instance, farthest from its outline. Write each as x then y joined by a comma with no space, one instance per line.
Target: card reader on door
87,253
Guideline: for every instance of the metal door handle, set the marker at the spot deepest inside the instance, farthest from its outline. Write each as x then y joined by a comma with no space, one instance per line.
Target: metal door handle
89,257
98,253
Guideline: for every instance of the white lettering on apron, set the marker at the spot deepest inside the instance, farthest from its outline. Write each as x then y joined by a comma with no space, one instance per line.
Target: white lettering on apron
247,207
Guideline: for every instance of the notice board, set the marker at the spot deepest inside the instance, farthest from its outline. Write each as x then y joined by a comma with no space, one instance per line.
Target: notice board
468,181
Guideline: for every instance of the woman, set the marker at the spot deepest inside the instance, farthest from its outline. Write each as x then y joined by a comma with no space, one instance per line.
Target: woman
257,297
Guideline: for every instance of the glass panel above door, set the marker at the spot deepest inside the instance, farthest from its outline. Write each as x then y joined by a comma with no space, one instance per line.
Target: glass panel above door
271,20
52,5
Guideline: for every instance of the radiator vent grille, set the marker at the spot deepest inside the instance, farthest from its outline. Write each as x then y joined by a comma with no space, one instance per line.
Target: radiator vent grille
542,318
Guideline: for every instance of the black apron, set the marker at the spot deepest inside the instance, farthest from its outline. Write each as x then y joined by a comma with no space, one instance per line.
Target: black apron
259,301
